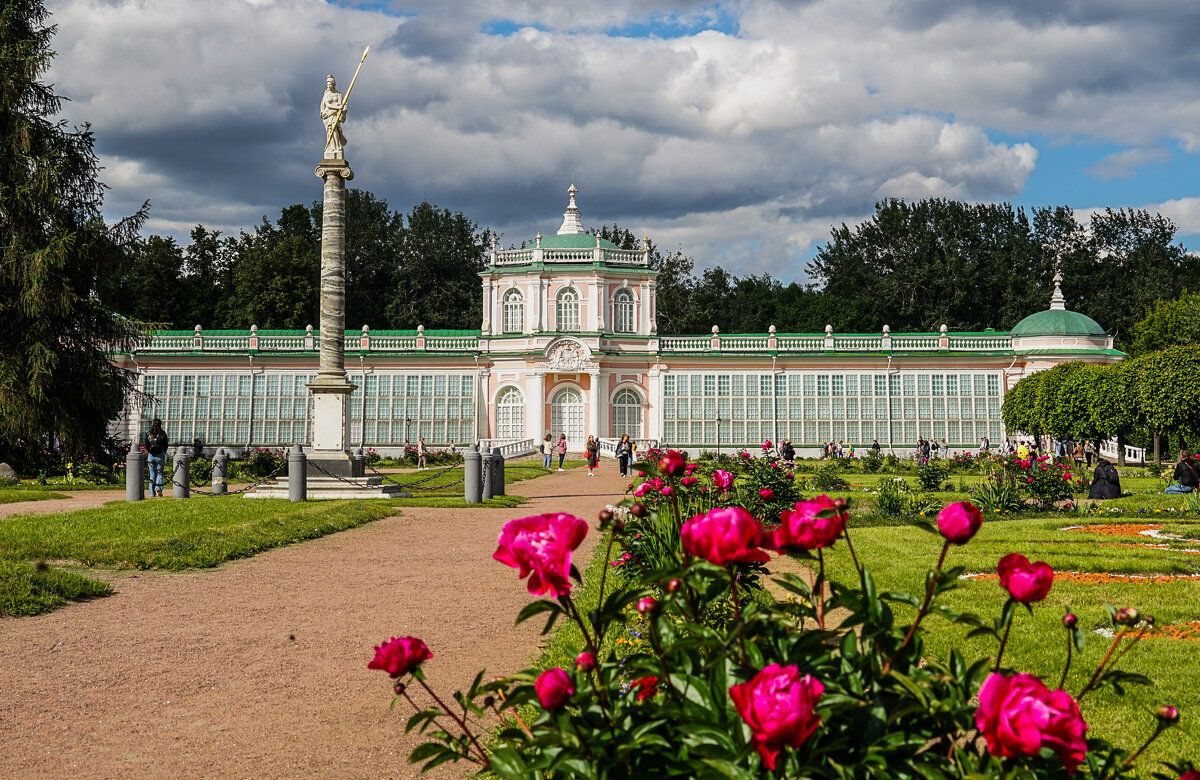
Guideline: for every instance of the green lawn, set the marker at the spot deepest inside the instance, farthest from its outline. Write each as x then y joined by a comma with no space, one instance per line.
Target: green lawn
9,496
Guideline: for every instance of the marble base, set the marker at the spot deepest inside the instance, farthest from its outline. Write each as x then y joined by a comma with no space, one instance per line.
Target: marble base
326,488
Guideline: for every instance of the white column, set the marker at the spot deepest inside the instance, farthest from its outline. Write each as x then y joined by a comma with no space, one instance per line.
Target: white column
531,307
644,320
482,410
599,290
535,405
654,419
595,403
540,304
487,307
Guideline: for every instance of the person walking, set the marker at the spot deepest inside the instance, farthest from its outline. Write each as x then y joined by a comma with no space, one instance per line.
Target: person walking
624,453
1089,451
546,448
156,455
420,453
197,448
561,449
875,445
593,455
787,451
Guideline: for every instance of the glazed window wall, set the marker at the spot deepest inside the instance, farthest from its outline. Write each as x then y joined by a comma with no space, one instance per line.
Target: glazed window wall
270,410
811,408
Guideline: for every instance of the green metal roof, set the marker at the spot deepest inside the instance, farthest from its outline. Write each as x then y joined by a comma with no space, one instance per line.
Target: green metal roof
1058,322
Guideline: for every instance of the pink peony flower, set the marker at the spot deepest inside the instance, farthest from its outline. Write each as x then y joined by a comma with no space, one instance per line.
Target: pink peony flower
689,481
724,536
722,479
540,547
779,707
585,661
1193,774
959,522
666,491
400,655
1018,716
672,464
553,688
642,489
691,467
766,494
811,525
1026,582
648,604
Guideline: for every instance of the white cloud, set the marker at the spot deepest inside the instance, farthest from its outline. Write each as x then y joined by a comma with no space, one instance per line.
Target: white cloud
1125,164
743,148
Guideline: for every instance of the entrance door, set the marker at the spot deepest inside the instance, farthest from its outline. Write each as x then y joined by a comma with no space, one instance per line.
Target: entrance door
566,416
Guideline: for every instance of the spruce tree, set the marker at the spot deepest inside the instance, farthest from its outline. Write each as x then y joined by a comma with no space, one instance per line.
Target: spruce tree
58,388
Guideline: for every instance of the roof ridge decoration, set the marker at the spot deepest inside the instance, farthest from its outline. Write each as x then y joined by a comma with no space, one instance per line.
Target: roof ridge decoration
1057,301
571,222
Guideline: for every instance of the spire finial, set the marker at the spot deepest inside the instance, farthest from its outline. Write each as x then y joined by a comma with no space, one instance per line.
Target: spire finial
571,222
1057,301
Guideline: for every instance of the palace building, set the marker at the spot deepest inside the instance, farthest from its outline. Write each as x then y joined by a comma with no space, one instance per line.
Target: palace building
568,344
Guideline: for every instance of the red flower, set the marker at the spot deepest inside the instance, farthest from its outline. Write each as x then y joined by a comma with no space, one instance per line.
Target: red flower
689,481
811,525
585,661
400,655
645,686
672,464
1018,716
724,536
1190,775
766,494
959,522
1026,582
541,546
722,479
553,688
779,707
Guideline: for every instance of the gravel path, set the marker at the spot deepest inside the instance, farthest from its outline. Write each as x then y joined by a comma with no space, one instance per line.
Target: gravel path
259,668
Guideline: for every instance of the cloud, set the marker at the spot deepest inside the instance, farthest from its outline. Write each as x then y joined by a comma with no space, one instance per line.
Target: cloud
741,130
1125,164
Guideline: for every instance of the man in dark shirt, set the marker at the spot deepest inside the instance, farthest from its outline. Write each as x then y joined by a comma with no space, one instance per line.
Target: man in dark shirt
1187,474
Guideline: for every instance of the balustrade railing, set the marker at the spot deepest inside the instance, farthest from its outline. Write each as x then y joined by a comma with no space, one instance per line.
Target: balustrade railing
510,448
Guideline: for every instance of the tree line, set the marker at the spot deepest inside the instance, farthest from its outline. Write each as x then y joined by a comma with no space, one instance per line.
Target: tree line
1151,400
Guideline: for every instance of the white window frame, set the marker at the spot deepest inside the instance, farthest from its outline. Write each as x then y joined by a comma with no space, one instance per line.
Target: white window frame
513,309
566,310
510,414
624,308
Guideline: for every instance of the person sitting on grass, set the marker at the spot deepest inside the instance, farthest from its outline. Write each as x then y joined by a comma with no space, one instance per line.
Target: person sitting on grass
1106,483
1187,474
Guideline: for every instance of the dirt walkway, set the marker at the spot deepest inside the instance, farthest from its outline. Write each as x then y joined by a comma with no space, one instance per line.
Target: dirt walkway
259,668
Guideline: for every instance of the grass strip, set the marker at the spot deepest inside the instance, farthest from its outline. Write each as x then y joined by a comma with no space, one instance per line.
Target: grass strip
31,589
17,496
199,532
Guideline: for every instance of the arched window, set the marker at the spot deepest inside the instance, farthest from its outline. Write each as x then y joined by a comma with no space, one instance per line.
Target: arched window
566,416
514,312
568,309
627,413
510,414
623,311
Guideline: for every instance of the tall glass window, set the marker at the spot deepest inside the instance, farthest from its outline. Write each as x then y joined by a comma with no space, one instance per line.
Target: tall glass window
513,310
567,309
627,413
623,311
510,414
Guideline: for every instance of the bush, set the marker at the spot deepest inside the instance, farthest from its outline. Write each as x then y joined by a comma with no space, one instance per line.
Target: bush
872,462
931,474
260,462
997,494
1043,479
200,471
828,476
892,498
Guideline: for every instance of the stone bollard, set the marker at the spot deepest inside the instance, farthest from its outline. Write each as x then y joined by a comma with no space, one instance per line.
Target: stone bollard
472,475
298,474
358,463
220,472
181,473
497,472
135,473
485,458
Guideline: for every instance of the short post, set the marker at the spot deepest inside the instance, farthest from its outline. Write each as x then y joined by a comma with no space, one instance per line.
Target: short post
297,474
358,461
485,456
472,475
220,472
181,475
497,472
135,473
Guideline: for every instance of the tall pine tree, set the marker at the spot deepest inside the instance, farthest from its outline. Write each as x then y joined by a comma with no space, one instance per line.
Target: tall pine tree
58,389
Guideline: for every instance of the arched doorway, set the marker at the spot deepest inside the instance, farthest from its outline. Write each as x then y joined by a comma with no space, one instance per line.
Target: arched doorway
627,413
566,416
510,414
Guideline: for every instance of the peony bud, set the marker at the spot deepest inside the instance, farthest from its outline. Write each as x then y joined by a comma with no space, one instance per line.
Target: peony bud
1070,620
553,688
673,586
606,517
638,510
1149,620
1127,616
489,701
585,661
841,505
401,688
1167,714
647,605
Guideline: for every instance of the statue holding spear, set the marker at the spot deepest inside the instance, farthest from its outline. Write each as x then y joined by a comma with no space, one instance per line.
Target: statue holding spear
333,112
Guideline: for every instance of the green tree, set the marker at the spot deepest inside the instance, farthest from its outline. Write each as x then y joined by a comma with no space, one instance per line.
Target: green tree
440,257
274,276
149,286
1168,324
1168,391
207,278
57,385
1114,410
1020,408
674,285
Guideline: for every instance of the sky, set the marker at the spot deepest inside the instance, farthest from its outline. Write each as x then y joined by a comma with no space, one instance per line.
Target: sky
741,132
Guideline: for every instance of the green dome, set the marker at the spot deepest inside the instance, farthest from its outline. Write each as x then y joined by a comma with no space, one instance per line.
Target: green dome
572,241
1058,322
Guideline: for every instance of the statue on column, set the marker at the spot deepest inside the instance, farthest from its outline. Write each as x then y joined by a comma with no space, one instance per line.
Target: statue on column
333,111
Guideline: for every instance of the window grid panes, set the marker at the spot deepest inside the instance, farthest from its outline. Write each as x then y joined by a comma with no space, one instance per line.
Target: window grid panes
567,308
513,312
623,311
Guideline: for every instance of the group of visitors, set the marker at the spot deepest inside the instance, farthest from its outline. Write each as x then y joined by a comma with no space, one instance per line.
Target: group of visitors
930,449
550,449
838,449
